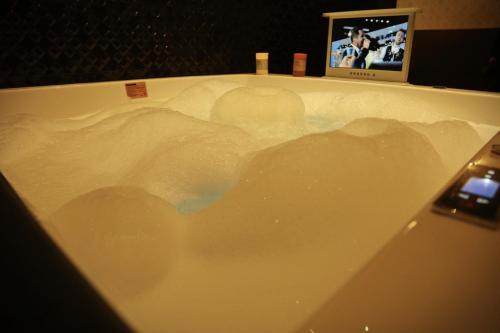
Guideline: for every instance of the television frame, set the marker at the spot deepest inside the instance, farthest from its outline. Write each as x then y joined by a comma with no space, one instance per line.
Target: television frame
372,74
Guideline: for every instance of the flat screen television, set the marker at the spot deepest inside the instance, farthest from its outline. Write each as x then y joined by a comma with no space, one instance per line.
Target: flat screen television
370,44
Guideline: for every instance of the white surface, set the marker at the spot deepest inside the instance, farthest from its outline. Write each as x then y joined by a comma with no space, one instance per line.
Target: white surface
298,220
271,115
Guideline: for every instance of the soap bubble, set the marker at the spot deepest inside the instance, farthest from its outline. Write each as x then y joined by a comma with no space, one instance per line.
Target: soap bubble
387,105
454,140
123,237
269,114
176,157
327,111
320,204
322,186
198,99
320,111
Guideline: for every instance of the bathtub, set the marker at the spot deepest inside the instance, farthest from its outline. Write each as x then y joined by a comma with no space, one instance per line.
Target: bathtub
394,277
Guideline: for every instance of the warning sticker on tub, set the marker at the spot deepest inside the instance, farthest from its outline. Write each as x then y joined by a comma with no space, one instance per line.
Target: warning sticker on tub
136,89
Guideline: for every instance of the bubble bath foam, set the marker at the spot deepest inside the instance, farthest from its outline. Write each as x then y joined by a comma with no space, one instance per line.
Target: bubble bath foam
232,203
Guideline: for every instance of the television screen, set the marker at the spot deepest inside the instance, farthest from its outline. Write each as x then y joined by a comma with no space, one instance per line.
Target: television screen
376,43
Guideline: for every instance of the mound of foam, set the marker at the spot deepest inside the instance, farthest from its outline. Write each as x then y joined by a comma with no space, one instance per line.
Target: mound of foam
327,111
198,99
92,118
23,134
320,110
170,155
322,186
123,237
270,114
454,140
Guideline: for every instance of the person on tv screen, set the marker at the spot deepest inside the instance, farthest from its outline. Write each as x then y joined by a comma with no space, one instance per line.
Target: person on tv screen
355,55
395,51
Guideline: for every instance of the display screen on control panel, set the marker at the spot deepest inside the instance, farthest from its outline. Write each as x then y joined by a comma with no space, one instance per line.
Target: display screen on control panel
483,187
369,42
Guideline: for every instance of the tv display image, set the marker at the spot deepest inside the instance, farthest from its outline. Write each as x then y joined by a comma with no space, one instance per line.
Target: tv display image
375,43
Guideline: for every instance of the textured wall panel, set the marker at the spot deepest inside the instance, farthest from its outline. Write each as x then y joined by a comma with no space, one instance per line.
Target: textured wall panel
55,42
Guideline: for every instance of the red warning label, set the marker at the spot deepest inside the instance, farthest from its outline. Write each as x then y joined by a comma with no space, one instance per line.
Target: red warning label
136,89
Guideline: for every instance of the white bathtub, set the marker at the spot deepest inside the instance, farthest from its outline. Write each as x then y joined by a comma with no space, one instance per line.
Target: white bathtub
278,291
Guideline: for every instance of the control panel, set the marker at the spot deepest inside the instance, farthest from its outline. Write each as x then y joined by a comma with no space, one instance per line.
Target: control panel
474,194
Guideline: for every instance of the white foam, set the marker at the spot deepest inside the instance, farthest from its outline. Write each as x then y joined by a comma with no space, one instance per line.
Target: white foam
315,184
303,217
445,137
327,111
198,100
271,233
270,114
123,237
171,155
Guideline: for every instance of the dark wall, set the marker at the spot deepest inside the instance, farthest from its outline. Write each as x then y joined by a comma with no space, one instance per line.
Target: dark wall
466,59
57,42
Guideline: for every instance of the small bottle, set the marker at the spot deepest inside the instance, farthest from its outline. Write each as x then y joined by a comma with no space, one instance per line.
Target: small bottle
299,64
261,61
